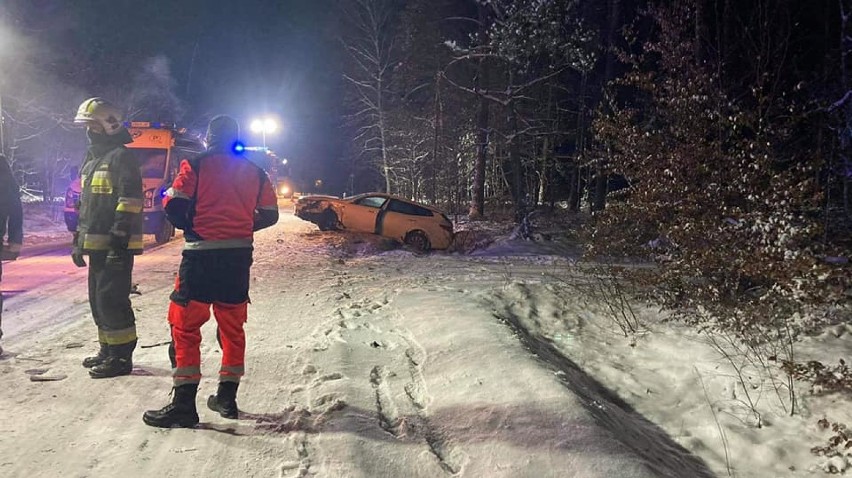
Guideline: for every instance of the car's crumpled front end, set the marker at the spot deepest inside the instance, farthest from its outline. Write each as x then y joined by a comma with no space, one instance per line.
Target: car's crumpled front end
314,208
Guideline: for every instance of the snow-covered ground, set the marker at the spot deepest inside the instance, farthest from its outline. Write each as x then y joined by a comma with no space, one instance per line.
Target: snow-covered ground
369,361
44,223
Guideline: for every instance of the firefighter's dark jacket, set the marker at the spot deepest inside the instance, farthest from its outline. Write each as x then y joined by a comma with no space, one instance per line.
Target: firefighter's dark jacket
11,212
111,198
219,199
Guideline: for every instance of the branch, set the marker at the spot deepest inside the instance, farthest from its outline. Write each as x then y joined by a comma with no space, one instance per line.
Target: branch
483,94
841,102
360,83
464,19
538,80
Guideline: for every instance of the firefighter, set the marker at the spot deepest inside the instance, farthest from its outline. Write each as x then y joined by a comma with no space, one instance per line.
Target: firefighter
11,222
219,199
109,231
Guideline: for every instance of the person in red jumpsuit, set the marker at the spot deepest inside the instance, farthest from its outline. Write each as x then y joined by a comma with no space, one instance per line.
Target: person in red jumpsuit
219,199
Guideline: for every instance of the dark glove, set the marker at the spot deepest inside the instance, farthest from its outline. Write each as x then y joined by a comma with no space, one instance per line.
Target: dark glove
77,252
117,257
77,258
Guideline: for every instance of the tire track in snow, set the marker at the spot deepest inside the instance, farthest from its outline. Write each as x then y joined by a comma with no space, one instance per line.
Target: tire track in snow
450,457
386,408
408,419
660,452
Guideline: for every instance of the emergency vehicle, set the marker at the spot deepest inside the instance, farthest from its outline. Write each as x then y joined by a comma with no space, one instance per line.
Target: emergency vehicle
277,168
159,148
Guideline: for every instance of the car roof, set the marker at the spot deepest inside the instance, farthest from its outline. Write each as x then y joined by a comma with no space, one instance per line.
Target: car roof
391,196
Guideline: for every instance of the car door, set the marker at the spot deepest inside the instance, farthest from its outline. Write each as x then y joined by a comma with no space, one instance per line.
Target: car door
362,213
400,217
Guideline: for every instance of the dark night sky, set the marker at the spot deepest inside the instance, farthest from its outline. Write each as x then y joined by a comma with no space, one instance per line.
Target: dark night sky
240,57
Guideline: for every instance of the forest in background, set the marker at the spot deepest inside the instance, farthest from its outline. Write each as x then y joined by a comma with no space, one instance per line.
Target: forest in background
711,137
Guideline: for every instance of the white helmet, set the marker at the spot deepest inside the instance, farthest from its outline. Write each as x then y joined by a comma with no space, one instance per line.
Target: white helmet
99,111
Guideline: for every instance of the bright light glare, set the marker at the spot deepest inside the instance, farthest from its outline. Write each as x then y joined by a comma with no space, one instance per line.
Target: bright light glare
270,125
283,161
285,190
266,125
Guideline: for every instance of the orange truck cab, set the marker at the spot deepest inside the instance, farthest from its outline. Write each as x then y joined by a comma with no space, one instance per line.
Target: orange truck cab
159,148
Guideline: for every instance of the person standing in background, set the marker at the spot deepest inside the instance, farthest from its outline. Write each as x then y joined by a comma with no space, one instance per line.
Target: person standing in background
219,199
109,231
11,223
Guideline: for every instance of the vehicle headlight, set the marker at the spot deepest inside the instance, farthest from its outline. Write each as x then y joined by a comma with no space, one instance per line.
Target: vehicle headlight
149,199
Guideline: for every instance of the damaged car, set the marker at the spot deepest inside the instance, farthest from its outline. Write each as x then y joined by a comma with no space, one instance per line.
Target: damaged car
420,226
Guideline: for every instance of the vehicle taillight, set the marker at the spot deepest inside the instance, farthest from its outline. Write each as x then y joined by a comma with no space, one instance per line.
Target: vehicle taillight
148,203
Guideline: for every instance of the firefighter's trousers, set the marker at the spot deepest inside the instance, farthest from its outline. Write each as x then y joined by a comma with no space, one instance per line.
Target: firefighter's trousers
217,278
109,298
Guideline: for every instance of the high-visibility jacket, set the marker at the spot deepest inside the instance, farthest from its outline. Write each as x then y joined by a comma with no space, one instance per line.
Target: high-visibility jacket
219,199
111,196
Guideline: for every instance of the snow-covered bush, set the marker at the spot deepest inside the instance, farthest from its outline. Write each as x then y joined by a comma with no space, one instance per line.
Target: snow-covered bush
731,212
837,450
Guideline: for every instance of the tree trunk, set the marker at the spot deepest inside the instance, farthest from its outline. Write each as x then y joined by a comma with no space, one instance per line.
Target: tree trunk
845,142
545,165
601,175
576,188
477,205
383,138
436,139
701,30
518,191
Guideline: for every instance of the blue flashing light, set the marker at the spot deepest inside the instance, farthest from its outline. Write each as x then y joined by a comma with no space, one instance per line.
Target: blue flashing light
239,147
163,191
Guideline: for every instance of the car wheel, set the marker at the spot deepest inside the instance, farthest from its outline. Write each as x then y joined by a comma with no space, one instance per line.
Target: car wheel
418,241
328,221
165,233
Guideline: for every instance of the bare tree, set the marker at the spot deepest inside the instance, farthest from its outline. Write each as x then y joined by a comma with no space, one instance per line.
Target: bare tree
526,44
844,106
370,43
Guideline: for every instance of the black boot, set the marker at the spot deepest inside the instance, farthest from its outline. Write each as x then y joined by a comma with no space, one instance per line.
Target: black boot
98,359
180,413
225,400
118,363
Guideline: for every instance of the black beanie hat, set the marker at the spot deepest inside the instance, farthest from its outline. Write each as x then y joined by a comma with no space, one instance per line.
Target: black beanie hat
222,132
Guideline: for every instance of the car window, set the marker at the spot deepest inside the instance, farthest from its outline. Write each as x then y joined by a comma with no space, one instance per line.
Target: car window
408,208
371,201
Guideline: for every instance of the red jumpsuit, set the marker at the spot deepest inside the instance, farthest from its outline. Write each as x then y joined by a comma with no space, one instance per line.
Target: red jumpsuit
219,200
